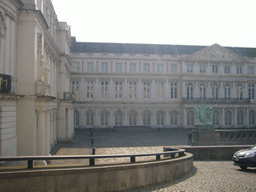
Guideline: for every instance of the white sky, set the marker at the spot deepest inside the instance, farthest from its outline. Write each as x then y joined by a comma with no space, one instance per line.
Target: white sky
183,22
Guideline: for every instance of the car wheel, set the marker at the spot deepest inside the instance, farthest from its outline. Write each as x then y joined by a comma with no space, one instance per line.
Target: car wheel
243,167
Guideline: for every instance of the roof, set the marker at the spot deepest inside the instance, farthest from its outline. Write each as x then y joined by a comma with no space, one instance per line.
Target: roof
85,47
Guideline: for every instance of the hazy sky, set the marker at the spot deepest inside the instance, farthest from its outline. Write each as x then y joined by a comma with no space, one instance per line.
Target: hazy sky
182,22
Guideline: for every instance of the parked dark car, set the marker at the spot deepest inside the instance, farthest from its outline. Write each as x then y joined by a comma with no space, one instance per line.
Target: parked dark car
245,158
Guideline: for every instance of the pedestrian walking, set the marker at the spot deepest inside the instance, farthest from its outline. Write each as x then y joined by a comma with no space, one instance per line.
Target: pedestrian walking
190,136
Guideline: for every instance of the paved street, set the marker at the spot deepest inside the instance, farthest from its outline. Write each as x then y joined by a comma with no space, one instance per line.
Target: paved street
220,176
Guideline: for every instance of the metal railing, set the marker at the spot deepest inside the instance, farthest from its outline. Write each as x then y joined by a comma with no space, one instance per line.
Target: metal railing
216,100
31,159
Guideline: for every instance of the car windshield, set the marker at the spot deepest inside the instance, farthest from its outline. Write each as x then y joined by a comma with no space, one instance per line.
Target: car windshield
254,147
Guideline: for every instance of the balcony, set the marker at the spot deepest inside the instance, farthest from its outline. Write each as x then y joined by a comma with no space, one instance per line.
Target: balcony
216,100
5,83
69,96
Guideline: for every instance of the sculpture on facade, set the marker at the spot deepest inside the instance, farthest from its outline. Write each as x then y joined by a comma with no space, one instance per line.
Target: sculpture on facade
203,118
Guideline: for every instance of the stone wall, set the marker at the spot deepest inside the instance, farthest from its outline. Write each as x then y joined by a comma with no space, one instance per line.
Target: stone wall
102,178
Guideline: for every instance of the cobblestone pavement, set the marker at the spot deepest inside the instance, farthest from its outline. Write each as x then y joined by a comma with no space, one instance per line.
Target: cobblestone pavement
214,176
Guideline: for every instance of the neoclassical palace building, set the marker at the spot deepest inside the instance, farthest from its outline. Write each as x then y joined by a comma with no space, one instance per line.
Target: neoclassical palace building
36,106
160,85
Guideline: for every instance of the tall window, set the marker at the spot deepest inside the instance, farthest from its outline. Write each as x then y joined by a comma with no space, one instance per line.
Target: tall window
202,68
119,67
228,118
173,68
190,117
146,68
251,91
89,90
160,117
190,68
215,68
202,88
250,70
132,118
189,91
240,118
160,90
160,68
239,69
104,89
146,117
132,89
174,118
146,88
104,67
174,90
89,118
118,117
76,67
75,88
227,69
132,67
76,117
239,90
104,118
118,90
251,117
216,118
215,91
89,66
227,91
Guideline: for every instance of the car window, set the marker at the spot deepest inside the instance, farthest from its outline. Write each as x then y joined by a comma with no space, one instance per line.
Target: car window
254,147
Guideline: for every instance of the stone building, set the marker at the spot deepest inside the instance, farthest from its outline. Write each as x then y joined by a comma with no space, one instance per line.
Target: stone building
36,105
159,85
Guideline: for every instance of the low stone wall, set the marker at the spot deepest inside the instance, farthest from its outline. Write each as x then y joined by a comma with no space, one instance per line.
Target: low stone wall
214,152
100,178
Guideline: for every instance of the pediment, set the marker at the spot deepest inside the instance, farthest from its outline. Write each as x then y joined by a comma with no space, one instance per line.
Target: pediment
215,53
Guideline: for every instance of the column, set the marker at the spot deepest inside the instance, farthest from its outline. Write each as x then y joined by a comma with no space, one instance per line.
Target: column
41,136
139,120
167,91
235,123
97,89
126,117
140,95
153,122
111,122
111,90
47,132
168,121
125,90
154,90
223,117
247,117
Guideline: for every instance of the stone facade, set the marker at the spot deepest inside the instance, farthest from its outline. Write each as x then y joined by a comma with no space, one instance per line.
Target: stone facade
159,85
35,53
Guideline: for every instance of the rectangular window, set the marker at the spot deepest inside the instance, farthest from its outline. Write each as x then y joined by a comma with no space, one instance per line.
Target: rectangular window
132,67
239,69
190,68
89,90
160,68
174,90
118,90
75,88
250,70
104,89
132,89
146,68
215,68
251,91
89,67
160,90
227,92
119,67
227,69
146,88
104,67
173,68
202,68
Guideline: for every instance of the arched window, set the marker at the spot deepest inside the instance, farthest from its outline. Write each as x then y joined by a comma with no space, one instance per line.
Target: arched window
189,91
227,91
228,118
118,117
202,88
239,90
146,117
174,118
190,117
89,118
76,118
160,117
240,118
216,118
133,118
215,91
251,117
104,118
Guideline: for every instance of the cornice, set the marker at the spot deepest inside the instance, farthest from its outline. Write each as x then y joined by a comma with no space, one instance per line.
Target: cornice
10,96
